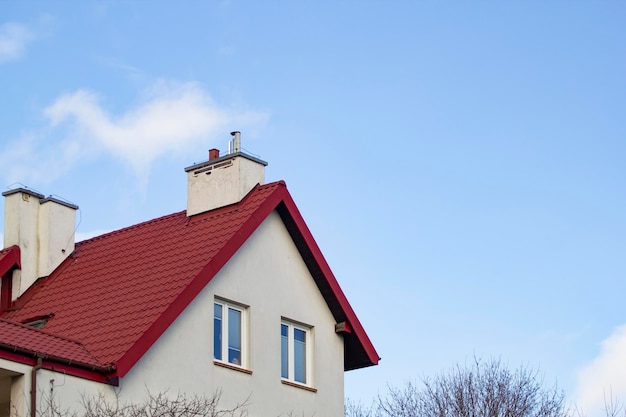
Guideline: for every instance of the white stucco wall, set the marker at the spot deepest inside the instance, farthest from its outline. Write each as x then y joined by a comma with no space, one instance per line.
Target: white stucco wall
268,275
62,392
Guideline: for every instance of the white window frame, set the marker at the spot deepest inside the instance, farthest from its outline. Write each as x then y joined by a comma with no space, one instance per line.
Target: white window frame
308,331
225,306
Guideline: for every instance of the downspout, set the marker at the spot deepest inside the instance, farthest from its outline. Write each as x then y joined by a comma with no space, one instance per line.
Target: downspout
33,387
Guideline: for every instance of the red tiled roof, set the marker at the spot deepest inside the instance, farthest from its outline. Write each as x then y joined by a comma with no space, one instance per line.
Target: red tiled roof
117,293
28,340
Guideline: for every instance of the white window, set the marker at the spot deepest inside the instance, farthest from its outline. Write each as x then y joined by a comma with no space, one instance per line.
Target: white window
295,352
229,333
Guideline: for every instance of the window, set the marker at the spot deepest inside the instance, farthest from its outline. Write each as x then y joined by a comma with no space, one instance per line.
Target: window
229,336
295,348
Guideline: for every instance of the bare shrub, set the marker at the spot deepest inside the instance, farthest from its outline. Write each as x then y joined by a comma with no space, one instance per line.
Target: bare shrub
482,389
156,405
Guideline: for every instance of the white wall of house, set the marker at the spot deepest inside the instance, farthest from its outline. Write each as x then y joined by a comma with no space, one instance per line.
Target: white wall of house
268,275
62,392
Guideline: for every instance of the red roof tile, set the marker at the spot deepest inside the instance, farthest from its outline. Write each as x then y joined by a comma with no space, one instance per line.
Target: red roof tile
117,293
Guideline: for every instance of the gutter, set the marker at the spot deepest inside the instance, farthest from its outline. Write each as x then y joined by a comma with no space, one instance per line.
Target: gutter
33,386
102,369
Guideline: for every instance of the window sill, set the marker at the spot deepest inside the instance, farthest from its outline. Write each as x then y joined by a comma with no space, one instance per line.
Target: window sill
233,367
298,385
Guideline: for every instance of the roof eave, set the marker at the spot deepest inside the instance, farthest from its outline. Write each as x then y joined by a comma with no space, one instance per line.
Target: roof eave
98,373
317,265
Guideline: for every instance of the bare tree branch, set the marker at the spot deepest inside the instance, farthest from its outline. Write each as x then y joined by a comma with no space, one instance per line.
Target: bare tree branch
156,405
482,389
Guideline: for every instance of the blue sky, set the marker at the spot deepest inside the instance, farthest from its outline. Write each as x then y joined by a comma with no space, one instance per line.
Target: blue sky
459,163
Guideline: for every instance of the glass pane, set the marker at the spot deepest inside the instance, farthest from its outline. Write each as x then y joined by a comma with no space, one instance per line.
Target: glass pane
284,351
234,336
299,335
299,355
217,331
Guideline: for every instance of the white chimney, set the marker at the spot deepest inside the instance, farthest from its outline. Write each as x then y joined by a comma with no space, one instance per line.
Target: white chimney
43,228
224,180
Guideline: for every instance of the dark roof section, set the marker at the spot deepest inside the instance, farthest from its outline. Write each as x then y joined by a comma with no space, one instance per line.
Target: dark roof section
117,293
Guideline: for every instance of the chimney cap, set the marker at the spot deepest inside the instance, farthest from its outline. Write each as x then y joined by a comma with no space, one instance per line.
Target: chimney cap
23,190
235,151
58,201
42,199
224,158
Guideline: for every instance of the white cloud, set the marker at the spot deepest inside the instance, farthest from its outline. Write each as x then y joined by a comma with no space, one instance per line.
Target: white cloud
604,377
168,118
13,40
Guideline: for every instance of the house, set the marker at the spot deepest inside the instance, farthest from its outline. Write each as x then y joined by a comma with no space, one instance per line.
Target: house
231,295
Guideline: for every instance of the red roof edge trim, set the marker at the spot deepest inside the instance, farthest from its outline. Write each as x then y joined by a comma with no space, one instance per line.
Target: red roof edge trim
82,373
18,358
10,259
132,356
351,316
31,360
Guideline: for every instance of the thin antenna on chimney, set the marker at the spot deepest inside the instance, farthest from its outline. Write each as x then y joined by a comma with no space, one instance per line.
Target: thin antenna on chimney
236,141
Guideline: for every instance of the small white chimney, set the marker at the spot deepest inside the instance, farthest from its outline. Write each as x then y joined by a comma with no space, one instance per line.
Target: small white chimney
43,228
222,180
